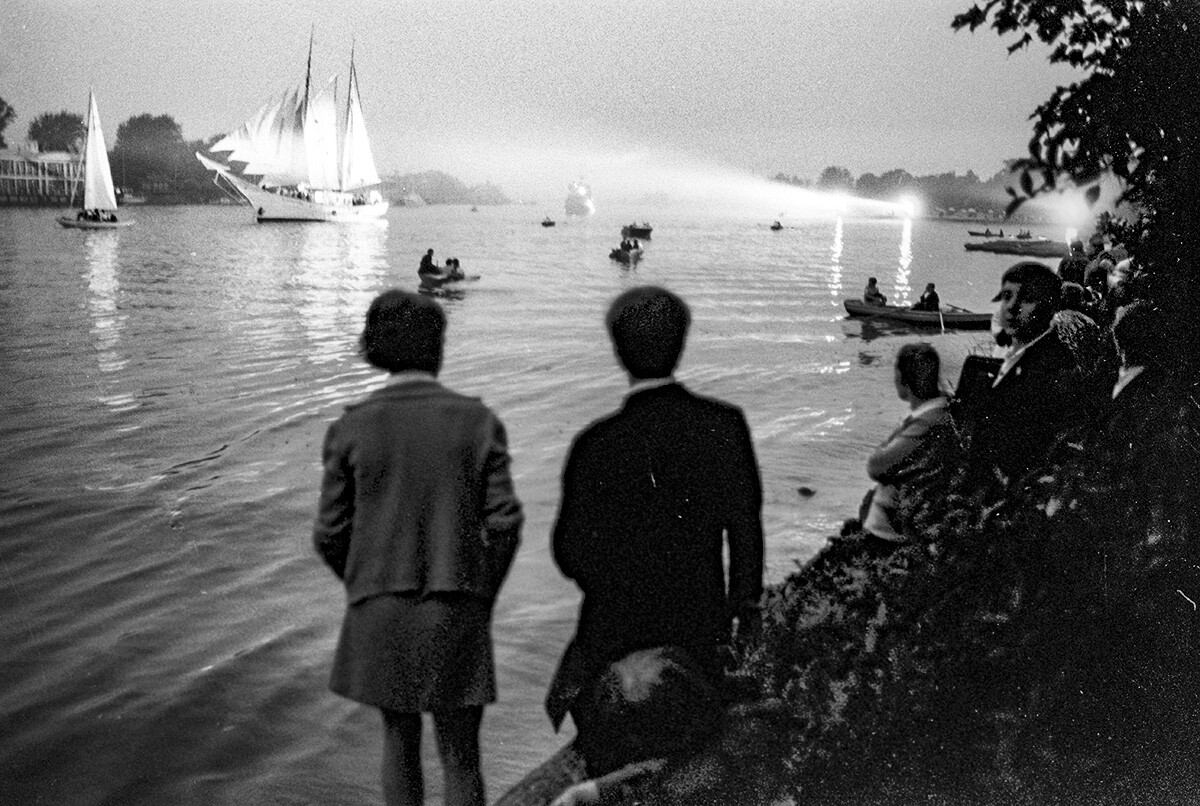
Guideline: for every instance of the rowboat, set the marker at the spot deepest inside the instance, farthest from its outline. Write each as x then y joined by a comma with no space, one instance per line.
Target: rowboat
1030,247
626,256
948,317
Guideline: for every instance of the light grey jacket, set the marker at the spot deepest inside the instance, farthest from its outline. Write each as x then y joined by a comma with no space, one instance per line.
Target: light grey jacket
416,495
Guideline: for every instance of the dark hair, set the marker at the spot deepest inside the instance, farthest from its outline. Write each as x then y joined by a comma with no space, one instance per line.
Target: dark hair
871,280
920,369
1137,332
1036,277
403,331
648,326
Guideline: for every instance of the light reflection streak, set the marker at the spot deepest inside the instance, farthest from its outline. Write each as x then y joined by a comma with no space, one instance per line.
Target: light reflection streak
902,286
107,322
835,262
339,270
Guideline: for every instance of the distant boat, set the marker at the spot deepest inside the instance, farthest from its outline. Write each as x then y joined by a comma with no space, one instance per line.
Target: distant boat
579,199
547,222
948,317
985,233
1028,246
777,226
626,256
99,209
292,167
642,230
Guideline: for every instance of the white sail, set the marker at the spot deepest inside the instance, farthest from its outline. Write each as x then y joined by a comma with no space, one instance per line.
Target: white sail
321,138
358,164
98,193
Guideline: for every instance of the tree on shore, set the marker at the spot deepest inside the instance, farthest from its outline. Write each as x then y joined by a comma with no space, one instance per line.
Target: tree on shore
7,113
58,131
835,177
1135,115
151,157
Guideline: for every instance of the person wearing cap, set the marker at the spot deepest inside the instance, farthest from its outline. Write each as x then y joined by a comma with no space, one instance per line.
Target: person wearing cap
1036,392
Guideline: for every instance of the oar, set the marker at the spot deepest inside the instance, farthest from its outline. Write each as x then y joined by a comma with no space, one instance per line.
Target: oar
942,320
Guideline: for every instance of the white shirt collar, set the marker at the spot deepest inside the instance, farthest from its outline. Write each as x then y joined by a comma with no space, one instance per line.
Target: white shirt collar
1014,355
410,376
649,383
1124,376
932,403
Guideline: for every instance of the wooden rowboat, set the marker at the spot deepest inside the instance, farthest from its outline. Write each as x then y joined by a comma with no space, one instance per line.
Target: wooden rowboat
948,317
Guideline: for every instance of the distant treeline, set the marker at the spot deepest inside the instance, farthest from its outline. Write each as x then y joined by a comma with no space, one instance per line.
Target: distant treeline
940,193
151,160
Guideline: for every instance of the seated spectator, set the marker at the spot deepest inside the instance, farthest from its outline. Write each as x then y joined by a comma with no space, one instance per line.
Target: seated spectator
929,301
913,465
872,295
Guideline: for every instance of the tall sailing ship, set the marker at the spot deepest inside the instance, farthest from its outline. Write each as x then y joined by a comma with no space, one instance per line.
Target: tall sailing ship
287,162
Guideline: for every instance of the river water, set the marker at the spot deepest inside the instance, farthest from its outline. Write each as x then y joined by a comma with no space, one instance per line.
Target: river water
167,627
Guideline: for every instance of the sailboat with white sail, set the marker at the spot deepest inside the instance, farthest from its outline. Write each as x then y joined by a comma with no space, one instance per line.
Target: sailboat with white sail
99,209
291,168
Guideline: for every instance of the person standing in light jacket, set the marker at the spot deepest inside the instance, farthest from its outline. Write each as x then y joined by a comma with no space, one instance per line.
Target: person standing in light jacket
419,519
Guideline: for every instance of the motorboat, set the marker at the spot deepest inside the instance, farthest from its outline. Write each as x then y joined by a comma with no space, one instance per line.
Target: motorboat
637,230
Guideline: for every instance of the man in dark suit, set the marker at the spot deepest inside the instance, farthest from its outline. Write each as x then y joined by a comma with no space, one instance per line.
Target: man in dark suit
651,494
1037,392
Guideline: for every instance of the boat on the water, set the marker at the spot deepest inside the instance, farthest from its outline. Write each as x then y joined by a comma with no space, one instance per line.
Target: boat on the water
579,199
291,166
1016,245
776,226
99,209
949,317
547,222
626,256
642,230
985,233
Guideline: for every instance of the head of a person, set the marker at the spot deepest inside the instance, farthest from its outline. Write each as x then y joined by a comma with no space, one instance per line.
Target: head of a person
1137,332
1073,297
1077,247
429,252
403,331
648,326
1029,296
918,372
871,281
929,287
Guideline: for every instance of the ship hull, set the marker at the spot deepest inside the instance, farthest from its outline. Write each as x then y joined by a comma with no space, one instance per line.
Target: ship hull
272,206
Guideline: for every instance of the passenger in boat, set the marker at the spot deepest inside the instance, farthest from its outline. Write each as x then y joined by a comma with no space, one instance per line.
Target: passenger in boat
652,495
872,295
1036,392
929,301
422,549
428,268
453,270
913,466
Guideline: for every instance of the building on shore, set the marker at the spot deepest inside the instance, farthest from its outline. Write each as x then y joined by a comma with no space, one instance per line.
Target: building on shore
29,178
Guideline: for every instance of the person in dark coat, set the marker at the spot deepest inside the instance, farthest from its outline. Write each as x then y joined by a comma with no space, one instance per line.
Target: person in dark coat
651,495
418,518
1037,391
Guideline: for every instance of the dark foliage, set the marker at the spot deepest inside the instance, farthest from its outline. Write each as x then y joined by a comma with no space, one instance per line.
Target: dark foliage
1134,115
58,131
7,113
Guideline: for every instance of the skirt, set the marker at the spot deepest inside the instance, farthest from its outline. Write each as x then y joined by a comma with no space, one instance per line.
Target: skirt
412,653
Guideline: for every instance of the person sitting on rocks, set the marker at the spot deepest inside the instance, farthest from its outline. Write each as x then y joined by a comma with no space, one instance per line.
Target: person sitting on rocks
912,467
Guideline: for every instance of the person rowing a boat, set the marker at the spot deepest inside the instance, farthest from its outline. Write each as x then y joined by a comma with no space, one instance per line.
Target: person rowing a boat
872,295
929,301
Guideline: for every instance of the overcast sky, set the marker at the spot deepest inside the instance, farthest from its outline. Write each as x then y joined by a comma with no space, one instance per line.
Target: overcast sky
532,93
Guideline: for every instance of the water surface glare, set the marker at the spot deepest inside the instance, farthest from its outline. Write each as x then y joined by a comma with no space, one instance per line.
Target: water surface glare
165,390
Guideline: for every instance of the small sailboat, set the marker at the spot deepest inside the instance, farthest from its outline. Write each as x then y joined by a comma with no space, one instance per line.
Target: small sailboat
99,209
292,167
